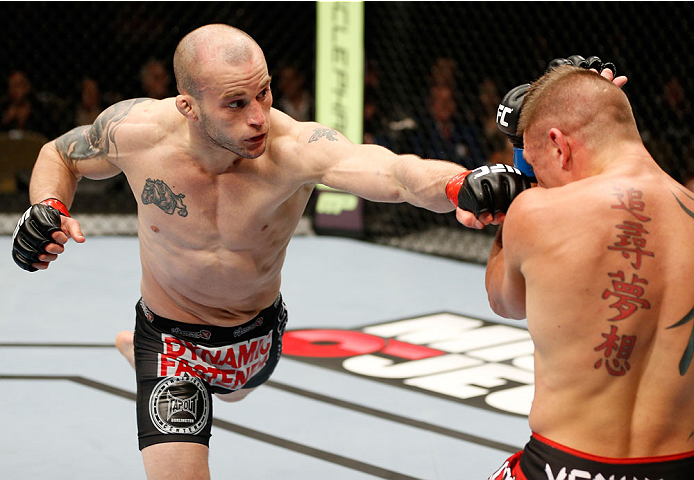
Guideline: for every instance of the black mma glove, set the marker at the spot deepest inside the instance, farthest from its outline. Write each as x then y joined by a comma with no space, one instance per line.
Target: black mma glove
487,188
507,117
34,230
587,63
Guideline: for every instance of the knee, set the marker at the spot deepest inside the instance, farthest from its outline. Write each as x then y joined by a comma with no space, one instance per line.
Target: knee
124,340
236,396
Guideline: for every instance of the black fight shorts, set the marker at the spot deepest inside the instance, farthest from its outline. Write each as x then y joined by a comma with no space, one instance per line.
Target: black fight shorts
544,459
180,365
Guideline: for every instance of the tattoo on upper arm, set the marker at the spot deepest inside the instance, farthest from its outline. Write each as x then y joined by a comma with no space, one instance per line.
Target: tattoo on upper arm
89,141
628,287
688,354
160,194
319,133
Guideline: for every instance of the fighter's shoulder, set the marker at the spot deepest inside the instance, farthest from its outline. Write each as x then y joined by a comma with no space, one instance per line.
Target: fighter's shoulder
541,201
133,111
140,118
288,129
130,109
283,126
538,209
531,203
572,206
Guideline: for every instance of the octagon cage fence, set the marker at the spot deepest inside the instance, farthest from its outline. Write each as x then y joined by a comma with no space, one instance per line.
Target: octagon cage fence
434,75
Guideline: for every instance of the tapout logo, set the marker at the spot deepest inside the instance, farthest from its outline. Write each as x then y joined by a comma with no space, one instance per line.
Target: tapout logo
472,361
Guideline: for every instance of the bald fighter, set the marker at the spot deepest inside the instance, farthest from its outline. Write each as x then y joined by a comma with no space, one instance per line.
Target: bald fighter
599,260
221,180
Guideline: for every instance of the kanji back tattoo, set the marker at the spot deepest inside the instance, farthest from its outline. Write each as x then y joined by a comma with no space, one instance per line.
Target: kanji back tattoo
628,288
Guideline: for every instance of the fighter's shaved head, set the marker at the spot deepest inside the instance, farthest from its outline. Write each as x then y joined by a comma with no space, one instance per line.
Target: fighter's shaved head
577,101
205,45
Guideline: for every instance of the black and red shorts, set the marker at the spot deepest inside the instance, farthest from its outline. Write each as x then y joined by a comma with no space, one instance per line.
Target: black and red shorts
544,459
180,365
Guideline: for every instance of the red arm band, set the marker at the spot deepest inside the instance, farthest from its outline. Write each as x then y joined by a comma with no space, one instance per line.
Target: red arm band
57,204
453,186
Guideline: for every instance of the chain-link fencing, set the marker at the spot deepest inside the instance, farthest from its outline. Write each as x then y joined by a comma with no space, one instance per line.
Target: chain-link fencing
434,74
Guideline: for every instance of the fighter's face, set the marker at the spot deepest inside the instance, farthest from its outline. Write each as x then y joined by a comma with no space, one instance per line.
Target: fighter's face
235,106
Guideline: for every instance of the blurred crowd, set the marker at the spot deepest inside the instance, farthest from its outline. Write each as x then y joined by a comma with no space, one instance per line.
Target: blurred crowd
449,121
23,109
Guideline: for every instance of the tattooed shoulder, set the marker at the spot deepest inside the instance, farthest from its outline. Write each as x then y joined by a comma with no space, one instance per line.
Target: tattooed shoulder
90,141
328,133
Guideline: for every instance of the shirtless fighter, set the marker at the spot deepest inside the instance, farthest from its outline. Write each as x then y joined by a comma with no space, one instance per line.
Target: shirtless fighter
221,180
599,261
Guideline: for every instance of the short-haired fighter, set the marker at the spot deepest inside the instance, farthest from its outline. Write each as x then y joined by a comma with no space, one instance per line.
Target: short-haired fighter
221,180
599,260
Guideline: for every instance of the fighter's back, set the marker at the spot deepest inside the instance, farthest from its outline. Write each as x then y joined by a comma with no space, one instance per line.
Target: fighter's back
609,303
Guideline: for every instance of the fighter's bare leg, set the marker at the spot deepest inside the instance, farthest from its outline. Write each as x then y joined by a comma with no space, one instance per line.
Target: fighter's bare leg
234,396
124,344
176,461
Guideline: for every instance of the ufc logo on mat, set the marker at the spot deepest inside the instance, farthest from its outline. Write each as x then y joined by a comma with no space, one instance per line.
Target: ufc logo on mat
464,359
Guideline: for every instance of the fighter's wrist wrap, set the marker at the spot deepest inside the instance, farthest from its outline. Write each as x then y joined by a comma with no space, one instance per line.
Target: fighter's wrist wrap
453,186
489,188
57,204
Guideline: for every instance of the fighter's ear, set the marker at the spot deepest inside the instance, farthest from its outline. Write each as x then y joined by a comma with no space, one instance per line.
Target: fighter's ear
561,150
185,105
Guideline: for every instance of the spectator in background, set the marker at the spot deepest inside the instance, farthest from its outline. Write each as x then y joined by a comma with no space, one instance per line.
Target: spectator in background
90,104
678,115
669,133
385,123
689,182
292,96
156,80
21,110
376,130
443,133
444,72
372,75
496,147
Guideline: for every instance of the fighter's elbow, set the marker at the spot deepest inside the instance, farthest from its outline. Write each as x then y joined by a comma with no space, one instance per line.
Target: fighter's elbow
49,157
515,315
506,309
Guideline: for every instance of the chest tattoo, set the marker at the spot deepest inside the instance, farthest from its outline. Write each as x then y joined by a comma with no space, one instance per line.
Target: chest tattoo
160,194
